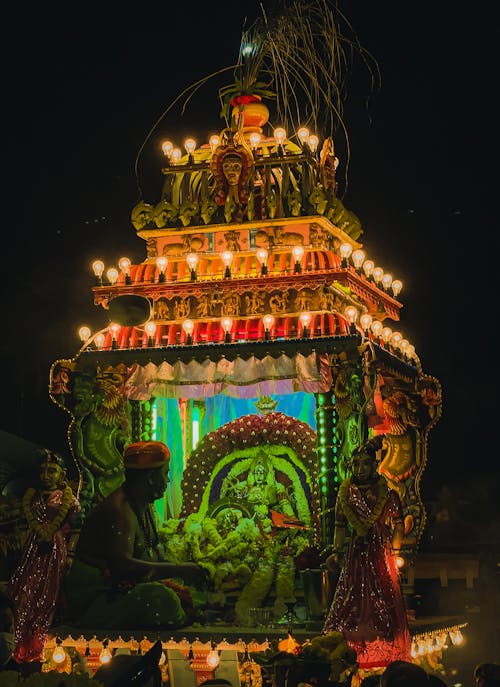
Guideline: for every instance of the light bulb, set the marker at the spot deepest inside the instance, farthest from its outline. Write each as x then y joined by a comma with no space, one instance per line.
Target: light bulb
98,267
397,285
254,140
279,136
161,264
114,328
387,281
188,326
190,145
303,134
378,273
226,324
112,275
368,266
345,250
410,351
150,328
192,260
105,656
365,321
403,345
59,655
99,340
262,255
357,258
84,333
386,334
396,338
268,321
214,142
313,142
351,313
213,659
305,319
176,155
400,561
227,258
167,147
377,327
298,253
124,264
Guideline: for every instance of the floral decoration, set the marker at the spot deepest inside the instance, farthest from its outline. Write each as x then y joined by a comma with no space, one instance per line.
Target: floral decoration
323,657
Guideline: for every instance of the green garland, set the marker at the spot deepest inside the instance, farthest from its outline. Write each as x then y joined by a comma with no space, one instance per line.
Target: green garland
362,525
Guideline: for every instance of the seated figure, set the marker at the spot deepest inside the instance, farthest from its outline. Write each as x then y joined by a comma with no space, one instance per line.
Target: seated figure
119,578
262,493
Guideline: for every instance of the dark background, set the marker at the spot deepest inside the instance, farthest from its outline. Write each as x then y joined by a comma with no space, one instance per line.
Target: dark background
85,84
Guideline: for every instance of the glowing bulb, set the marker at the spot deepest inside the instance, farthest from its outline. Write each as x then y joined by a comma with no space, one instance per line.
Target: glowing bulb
226,324
99,340
378,273
213,659
305,319
303,134
98,267
254,140
357,258
176,155
377,327
351,313
386,334
114,329
190,145
84,333
403,345
410,351
397,285
279,136
214,142
386,281
188,326
227,258
124,264
59,655
298,253
365,321
150,328
161,264
268,321
313,142
167,147
400,561
368,266
105,656
192,260
112,275
262,255
396,338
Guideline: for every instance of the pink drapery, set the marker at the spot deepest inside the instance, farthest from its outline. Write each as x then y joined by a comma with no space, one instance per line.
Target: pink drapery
243,378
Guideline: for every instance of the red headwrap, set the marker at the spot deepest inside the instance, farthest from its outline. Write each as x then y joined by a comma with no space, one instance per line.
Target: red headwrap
143,455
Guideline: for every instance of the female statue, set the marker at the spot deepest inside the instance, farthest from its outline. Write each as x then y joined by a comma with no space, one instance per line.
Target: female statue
368,606
34,586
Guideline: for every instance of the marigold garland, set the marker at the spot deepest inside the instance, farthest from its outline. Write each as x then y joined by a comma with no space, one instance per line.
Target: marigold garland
46,531
362,525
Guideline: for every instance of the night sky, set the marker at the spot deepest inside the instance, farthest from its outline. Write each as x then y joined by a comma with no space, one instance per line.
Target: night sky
85,83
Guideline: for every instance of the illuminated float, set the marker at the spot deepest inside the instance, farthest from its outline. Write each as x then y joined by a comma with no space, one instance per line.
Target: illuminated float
256,333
